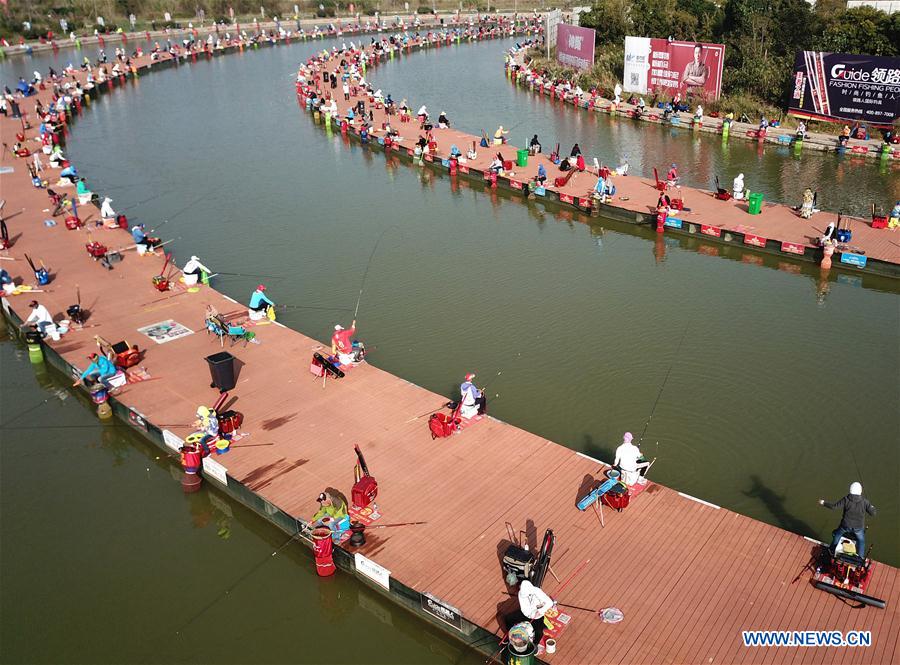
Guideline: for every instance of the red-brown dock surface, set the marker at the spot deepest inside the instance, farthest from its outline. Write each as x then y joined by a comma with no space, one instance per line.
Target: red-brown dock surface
688,576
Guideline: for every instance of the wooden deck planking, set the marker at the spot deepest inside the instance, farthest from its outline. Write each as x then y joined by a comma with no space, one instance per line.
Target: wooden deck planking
692,642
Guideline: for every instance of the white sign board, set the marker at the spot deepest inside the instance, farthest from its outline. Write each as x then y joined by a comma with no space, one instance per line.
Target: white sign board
172,441
212,469
368,568
553,19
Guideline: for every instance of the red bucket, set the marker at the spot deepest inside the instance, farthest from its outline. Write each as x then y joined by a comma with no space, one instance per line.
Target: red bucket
322,547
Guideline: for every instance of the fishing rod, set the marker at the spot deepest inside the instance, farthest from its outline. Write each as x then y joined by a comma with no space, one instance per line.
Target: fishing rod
369,265
332,309
248,274
367,527
663,386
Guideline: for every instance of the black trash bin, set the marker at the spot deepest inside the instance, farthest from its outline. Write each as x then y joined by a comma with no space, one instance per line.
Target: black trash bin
221,369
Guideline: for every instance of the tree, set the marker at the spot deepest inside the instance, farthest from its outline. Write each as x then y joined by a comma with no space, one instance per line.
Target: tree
861,29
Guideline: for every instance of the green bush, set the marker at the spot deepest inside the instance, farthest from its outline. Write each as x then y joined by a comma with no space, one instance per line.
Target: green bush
424,10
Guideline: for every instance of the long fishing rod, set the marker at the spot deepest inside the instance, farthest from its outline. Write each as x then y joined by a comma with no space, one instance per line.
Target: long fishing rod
378,526
663,386
369,265
331,309
247,274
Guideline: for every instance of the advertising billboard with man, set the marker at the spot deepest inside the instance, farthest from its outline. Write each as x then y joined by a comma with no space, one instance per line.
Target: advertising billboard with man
688,69
839,87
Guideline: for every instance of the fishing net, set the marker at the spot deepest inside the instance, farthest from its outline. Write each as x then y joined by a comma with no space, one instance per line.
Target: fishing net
611,615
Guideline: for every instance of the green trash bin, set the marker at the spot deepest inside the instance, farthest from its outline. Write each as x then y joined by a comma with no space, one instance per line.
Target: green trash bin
521,158
755,203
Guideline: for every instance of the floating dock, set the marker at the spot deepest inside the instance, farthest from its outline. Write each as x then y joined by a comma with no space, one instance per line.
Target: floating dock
688,575
777,230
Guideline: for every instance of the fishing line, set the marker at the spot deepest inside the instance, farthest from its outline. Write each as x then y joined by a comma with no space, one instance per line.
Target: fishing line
5,425
240,579
369,265
665,380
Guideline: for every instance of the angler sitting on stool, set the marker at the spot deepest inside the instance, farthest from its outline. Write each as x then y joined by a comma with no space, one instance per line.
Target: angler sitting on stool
142,241
533,605
473,400
100,370
630,461
208,423
194,270
853,521
332,513
343,346
260,304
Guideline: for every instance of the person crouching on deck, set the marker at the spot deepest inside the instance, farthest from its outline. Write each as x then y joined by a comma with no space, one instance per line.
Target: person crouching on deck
332,513
342,344
630,461
260,304
473,400
100,370
533,605
443,121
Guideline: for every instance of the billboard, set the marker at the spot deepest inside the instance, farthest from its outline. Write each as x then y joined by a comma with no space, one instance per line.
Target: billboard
838,86
575,46
670,67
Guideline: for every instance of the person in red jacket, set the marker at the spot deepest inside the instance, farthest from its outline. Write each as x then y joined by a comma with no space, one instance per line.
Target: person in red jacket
342,343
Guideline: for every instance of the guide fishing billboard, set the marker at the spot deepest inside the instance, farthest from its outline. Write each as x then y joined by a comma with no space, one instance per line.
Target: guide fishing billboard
839,86
575,46
669,67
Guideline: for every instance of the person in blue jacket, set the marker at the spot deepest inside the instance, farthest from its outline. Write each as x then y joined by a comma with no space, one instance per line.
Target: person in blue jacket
101,369
259,303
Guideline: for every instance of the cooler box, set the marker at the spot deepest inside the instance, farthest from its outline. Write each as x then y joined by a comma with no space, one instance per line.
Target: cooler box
364,491
522,158
755,203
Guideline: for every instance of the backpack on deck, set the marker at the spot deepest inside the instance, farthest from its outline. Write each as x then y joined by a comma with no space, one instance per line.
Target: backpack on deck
443,425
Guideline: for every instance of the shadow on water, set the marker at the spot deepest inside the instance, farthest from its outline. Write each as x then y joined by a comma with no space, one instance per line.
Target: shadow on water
774,503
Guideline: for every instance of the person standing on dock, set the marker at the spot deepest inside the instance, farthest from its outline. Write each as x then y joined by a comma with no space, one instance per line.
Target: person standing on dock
853,521
630,461
672,176
737,187
809,200
260,304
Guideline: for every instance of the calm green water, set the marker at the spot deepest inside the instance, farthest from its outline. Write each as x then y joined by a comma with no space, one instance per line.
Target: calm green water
784,390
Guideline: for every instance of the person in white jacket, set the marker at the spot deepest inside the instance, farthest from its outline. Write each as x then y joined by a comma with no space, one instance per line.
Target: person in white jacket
533,605
629,460
40,318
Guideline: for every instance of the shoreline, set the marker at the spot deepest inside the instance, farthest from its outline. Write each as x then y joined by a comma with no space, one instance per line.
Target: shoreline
448,565
856,148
